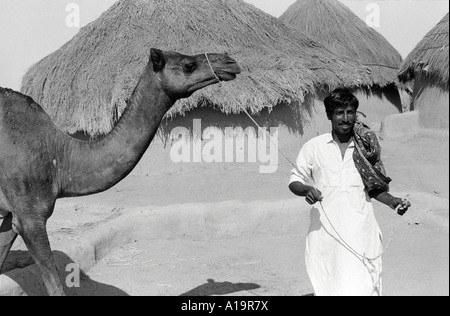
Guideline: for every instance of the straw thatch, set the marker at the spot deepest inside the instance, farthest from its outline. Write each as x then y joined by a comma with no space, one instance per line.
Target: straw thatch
84,85
429,60
332,24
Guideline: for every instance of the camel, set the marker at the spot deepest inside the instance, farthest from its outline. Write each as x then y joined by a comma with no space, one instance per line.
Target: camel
40,164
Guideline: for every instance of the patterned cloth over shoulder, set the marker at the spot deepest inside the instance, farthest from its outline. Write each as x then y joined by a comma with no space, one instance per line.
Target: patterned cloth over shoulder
367,157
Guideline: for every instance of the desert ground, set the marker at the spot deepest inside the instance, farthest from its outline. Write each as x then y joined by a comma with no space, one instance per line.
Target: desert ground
237,232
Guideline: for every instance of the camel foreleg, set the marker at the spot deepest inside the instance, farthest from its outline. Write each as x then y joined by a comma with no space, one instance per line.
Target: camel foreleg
7,238
34,234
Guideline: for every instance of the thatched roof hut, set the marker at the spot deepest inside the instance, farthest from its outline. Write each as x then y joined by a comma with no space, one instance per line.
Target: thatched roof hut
427,69
85,84
332,24
429,60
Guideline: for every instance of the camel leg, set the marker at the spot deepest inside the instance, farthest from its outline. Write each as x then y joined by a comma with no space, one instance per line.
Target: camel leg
34,234
7,238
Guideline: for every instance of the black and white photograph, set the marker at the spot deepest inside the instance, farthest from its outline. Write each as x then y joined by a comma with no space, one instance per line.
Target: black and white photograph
220,154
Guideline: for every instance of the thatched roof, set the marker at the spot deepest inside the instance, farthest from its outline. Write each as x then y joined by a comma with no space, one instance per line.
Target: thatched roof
332,24
430,57
84,83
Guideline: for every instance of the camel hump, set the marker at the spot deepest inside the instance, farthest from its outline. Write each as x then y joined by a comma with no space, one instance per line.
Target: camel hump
6,92
17,98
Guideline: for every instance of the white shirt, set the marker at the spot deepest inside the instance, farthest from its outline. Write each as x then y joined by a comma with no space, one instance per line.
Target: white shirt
333,269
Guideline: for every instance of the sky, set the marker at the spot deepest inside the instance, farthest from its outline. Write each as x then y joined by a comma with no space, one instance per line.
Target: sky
32,29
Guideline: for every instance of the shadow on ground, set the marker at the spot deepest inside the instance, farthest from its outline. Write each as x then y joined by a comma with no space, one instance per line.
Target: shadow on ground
220,288
31,283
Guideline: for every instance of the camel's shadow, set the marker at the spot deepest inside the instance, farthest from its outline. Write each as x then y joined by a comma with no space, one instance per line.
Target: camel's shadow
19,268
221,288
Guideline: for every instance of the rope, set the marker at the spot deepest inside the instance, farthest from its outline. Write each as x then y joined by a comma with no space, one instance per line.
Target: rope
265,131
213,71
369,263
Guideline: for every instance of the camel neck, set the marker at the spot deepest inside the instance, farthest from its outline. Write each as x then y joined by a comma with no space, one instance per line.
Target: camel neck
94,167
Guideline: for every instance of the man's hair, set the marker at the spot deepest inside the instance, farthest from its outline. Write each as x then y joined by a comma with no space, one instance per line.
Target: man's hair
341,97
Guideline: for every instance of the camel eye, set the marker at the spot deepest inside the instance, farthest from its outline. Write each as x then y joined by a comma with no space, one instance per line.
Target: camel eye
189,68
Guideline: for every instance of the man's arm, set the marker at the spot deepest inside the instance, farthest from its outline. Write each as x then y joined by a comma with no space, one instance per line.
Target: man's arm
395,203
311,194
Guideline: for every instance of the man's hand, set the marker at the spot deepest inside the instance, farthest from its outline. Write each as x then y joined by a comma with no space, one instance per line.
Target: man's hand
401,206
313,196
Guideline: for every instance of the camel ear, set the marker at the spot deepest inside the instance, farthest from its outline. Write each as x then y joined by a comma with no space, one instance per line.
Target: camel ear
158,60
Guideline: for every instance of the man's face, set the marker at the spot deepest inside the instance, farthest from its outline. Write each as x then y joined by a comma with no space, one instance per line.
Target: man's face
343,120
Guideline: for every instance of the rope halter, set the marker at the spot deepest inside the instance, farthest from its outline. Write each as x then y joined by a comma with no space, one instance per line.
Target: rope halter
213,71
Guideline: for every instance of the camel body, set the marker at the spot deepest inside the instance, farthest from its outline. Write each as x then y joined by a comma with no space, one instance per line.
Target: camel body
39,163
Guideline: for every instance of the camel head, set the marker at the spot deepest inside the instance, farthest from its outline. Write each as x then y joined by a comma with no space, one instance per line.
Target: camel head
181,75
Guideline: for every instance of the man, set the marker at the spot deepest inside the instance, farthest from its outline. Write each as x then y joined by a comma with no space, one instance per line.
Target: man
344,244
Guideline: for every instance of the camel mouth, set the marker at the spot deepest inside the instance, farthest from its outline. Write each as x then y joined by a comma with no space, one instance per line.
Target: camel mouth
229,73
226,76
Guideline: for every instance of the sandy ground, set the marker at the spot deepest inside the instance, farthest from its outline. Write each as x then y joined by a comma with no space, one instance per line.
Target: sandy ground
238,232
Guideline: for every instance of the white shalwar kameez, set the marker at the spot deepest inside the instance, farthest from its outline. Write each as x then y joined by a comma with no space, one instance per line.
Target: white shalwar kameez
332,268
